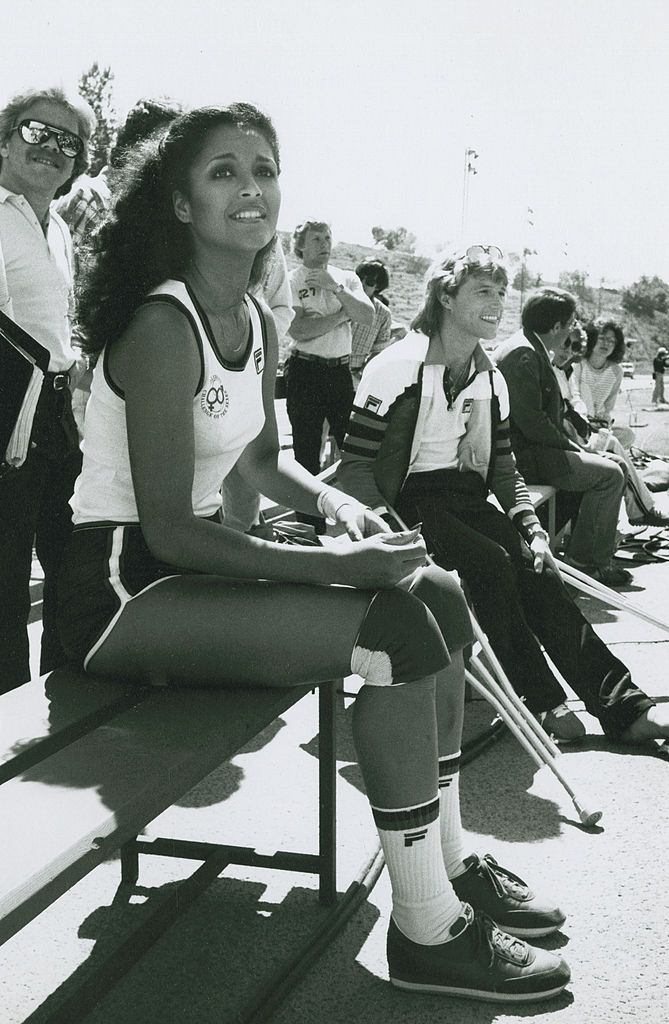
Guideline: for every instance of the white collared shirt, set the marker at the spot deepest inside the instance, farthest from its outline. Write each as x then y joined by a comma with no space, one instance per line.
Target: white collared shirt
443,428
38,270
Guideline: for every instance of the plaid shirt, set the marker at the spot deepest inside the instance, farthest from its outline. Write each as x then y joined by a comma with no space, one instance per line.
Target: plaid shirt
368,341
84,207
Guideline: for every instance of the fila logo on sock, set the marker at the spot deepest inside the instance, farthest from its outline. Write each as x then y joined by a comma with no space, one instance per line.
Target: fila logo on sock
414,837
444,783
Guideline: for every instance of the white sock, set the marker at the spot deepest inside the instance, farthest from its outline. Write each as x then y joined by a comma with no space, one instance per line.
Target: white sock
424,903
450,822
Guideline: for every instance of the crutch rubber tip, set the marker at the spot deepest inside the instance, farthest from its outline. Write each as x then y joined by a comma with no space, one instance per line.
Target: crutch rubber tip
588,817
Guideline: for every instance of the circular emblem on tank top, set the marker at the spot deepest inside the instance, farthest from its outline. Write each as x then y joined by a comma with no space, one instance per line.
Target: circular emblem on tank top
214,399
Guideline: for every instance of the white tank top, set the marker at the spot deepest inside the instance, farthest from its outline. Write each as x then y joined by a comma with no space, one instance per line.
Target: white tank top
227,414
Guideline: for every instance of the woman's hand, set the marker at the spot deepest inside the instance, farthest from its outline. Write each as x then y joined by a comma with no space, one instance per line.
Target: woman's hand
359,521
380,561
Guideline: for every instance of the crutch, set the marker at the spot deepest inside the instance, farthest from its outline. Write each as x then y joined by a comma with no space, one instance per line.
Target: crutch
523,725
593,588
541,758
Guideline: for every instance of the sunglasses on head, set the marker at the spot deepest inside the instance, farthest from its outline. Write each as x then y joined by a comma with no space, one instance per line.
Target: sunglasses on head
475,251
36,133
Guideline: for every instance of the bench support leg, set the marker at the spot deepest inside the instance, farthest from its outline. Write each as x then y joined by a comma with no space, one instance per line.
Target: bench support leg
327,791
130,862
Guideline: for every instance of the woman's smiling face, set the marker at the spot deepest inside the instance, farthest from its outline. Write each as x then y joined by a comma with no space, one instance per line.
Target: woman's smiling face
234,197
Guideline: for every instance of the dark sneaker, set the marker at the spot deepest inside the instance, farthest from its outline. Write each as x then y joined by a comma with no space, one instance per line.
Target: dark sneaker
506,898
654,517
611,575
480,962
562,724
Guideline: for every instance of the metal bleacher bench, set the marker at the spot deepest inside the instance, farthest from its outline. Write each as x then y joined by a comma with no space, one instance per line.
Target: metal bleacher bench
85,765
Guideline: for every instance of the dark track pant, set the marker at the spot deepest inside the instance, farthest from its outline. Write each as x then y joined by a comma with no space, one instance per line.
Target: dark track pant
517,608
315,393
34,510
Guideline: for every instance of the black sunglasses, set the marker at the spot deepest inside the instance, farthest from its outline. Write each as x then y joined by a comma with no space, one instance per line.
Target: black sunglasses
36,133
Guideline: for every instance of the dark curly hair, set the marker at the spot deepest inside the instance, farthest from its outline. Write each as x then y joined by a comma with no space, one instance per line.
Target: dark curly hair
372,271
593,332
142,120
142,243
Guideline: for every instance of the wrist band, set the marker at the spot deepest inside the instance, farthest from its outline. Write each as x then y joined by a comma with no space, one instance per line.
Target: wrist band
330,500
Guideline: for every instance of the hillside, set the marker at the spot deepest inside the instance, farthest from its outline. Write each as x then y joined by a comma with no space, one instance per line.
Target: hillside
407,273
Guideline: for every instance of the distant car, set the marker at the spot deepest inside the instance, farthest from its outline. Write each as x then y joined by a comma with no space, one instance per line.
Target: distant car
628,369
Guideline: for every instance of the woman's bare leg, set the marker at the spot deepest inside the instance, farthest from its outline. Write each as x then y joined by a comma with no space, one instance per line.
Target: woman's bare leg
450,694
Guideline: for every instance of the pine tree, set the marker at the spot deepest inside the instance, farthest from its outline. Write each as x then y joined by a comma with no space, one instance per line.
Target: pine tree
95,86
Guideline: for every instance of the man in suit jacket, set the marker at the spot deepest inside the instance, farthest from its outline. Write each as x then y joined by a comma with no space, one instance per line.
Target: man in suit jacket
544,451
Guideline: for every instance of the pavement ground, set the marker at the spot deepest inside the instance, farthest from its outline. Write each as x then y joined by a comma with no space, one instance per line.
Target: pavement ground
611,880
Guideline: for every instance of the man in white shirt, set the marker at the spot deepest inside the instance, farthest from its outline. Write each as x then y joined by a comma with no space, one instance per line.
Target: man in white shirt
43,136
318,376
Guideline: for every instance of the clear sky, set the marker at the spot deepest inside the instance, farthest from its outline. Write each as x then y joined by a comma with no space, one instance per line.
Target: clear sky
375,102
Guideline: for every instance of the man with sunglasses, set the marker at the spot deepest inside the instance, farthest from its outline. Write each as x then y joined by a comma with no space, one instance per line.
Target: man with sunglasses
43,136
429,440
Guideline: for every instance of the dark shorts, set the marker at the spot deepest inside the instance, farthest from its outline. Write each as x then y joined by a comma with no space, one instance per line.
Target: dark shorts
103,568
106,566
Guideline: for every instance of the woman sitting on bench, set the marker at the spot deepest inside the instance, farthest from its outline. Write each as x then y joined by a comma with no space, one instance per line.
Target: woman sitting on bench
155,588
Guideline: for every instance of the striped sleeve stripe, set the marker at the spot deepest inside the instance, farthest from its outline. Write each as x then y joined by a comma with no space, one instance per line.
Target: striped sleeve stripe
364,420
356,446
366,430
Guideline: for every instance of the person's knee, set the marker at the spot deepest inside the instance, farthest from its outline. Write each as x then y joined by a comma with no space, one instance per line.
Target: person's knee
619,461
399,641
443,595
615,478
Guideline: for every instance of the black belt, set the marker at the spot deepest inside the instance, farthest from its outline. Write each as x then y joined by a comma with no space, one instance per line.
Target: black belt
335,361
58,381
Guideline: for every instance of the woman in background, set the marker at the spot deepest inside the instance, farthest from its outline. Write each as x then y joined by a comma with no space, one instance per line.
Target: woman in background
595,384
